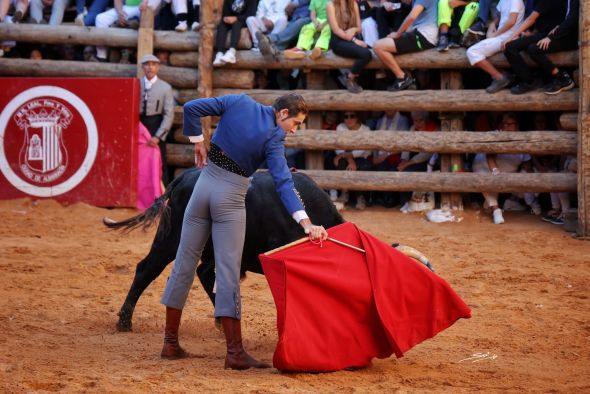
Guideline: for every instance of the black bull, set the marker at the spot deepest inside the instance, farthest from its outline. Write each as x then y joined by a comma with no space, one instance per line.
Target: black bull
268,226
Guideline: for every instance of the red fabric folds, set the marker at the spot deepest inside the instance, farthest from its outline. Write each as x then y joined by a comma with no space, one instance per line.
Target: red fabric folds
339,308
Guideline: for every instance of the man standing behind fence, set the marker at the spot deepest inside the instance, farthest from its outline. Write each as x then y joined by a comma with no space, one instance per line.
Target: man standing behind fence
156,107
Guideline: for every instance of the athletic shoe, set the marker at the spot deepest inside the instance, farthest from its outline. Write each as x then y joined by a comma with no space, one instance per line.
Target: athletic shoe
497,216
18,16
229,56
555,218
195,26
525,87
404,83
499,84
478,28
79,21
536,208
218,59
267,48
443,43
560,83
350,84
181,27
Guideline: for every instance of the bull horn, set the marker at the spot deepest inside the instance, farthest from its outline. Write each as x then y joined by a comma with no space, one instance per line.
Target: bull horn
415,254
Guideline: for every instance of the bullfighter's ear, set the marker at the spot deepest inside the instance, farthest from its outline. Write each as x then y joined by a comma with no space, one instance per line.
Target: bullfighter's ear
284,114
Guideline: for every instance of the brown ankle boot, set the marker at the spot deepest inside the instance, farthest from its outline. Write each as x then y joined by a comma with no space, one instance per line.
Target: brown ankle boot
172,349
236,357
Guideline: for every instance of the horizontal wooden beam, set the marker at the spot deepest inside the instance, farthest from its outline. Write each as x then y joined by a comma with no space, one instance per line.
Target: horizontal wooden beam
178,77
112,37
457,182
569,121
421,100
532,142
430,59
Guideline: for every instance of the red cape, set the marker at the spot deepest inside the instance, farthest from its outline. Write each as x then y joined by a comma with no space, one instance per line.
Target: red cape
338,308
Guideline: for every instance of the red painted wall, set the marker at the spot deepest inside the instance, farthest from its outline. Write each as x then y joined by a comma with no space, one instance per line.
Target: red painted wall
70,139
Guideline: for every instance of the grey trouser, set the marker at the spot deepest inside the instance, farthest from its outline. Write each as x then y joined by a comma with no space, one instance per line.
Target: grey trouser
217,206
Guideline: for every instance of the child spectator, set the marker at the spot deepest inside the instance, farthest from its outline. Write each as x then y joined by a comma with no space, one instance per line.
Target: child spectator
345,22
87,16
270,18
454,17
498,163
511,14
319,24
233,18
417,32
298,13
20,9
555,29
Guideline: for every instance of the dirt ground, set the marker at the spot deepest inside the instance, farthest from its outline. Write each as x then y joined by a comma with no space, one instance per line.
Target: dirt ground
64,278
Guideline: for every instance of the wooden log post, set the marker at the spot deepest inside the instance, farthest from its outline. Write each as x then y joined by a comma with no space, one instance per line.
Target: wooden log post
205,85
145,37
451,80
314,159
584,124
568,121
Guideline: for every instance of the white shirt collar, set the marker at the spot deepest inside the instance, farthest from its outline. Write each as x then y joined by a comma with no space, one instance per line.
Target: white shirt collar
150,82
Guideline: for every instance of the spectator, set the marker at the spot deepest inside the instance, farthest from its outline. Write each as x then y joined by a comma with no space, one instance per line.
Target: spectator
499,163
417,32
58,8
122,14
390,15
36,54
369,29
345,22
20,9
156,107
416,161
454,17
270,18
391,120
319,24
511,14
163,56
233,18
555,29
272,44
356,160
87,17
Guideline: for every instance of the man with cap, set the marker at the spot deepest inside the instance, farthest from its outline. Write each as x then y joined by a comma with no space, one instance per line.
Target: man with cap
156,107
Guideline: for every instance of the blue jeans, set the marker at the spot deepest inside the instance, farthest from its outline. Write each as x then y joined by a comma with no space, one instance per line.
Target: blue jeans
484,10
96,7
287,37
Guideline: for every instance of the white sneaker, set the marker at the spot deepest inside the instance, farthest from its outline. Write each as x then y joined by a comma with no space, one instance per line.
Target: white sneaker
536,208
360,203
218,59
333,195
79,21
230,56
497,215
195,26
181,27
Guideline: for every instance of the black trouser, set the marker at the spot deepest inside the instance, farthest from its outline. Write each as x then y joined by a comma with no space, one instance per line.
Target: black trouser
388,21
351,50
152,123
222,30
529,44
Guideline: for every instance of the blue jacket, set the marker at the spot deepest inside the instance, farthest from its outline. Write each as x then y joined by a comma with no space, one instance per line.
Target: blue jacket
248,134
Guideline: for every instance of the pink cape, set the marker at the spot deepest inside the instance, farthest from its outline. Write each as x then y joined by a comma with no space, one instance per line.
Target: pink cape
149,170
338,308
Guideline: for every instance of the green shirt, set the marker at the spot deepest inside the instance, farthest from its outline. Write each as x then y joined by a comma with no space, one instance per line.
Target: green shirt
319,6
132,3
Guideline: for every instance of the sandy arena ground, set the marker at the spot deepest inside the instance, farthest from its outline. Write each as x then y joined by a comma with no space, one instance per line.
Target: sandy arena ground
64,278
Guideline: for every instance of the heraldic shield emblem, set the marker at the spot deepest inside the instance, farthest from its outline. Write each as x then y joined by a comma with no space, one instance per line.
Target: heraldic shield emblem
43,156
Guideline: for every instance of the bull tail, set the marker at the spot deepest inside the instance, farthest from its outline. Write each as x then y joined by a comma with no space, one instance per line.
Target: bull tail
159,211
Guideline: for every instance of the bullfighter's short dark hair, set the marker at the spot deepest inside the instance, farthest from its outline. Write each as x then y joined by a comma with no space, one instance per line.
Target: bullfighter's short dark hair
292,102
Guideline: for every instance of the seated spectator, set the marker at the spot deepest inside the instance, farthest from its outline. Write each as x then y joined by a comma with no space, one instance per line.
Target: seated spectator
416,161
511,14
318,30
232,18
418,32
272,44
391,120
560,202
345,21
454,17
87,16
20,9
270,18
57,7
499,163
555,29
197,9
356,160
390,15
122,14
369,29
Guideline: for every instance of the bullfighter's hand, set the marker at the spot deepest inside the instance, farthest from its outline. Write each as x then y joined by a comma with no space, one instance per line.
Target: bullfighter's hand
315,233
200,154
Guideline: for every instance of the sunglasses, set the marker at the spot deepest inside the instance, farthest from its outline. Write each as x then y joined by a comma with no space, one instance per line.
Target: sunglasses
349,116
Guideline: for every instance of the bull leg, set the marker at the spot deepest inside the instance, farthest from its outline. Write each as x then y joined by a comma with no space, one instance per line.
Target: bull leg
146,272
